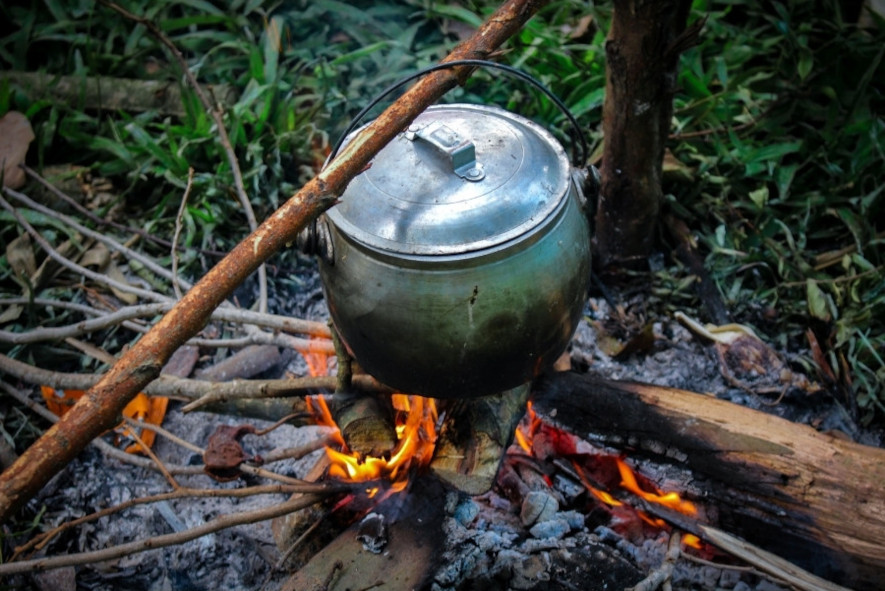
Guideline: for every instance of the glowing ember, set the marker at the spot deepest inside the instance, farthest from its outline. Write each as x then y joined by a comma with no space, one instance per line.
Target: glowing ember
692,541
415,422
533,428
671,500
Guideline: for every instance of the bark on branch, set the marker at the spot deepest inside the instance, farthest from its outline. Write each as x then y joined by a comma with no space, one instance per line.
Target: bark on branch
101,407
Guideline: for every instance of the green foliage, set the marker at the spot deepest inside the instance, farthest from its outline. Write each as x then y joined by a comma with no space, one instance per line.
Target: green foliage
787,195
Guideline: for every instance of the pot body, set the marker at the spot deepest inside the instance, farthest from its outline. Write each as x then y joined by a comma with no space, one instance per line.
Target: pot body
460,326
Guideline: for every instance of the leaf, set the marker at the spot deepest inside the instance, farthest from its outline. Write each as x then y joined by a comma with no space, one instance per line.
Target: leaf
458,13
818,306
20,255
806,61
16,135
11,313
759,197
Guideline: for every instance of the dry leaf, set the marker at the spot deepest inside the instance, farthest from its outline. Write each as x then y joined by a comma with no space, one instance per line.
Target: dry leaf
11,313
15,137
748,362
20,255
100,257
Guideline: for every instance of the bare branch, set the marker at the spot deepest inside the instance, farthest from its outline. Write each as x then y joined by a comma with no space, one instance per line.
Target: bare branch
40,541
107,320
176,282
215,525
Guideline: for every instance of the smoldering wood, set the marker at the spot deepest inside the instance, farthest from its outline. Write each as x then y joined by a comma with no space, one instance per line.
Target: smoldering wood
245,363
366,423
809,497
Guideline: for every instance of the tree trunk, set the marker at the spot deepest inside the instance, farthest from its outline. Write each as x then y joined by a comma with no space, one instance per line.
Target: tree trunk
811,498
642,53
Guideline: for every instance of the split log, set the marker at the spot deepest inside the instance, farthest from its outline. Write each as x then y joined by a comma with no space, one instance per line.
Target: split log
396,547
809,497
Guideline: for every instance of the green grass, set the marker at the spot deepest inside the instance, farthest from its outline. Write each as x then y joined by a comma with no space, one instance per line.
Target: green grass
786,96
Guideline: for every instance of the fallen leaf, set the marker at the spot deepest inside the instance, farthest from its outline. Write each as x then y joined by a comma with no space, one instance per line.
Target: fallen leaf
748,362
16,135
224,454
20,255
11,313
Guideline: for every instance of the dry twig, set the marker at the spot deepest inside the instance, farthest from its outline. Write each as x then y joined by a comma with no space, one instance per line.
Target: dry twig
215,525
176,282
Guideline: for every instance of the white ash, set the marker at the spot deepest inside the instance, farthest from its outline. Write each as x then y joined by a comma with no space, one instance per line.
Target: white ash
489,546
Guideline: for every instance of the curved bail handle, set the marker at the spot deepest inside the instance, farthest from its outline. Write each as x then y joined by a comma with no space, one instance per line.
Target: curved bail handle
582,138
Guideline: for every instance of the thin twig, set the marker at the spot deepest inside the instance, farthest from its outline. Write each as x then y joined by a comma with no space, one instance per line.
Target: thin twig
296,453
167,434
112,244
103,446
128,549
57,257
216,113
661,575
101,221
157,461
176,286
39,542
106,320
188,389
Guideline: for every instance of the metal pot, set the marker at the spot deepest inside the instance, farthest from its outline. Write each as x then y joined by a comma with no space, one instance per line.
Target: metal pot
457,265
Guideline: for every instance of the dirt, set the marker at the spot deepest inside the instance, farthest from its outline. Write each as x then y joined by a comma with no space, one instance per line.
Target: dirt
488,546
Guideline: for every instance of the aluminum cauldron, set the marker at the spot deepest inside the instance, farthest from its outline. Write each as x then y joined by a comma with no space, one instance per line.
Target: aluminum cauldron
457,265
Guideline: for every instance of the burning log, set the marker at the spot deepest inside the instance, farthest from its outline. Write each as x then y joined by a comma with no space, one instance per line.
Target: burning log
392,548
366,426
809,497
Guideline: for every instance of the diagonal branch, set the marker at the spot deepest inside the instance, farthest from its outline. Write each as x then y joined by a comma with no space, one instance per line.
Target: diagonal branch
101,407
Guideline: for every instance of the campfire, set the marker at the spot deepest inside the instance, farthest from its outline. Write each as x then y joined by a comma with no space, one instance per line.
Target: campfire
577,483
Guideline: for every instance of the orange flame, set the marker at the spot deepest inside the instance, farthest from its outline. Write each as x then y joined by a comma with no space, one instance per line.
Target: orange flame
670,500
532,424
416,435
415,423
527,429
692,541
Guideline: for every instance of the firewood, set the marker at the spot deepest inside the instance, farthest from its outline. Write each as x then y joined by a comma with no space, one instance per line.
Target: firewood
410,528
809,497
365,423
472,441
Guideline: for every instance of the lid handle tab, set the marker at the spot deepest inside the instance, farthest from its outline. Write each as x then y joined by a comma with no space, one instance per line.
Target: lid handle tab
459,150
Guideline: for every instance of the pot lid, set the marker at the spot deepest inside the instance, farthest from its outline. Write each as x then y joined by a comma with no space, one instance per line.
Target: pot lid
462,178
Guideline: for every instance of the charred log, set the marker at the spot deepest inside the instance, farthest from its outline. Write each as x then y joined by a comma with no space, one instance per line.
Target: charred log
811,498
